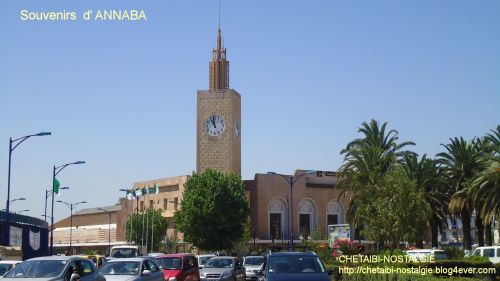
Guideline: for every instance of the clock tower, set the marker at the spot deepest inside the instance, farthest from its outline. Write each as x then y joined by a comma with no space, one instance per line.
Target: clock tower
218,125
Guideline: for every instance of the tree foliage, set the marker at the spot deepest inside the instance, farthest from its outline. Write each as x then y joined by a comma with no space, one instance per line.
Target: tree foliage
151,221
214,210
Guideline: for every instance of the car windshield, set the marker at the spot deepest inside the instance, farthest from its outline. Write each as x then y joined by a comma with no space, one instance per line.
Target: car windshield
170,263
37,269
219,263
295,264
440,256
120,268
4,268
204,260
253,261
123,253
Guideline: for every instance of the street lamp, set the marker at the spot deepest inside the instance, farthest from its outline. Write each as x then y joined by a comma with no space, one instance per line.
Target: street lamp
109,229
17,199
47,194
15,142
45,216
18,212
71,207
56,171
133,193
291,180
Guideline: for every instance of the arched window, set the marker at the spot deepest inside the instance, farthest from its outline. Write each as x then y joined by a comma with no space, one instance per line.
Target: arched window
334,214
277,218
307,217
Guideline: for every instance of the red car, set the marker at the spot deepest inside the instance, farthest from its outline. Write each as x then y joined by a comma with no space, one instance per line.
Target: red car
179,267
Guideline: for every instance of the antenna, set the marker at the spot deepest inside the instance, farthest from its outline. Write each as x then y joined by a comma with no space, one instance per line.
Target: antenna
219,15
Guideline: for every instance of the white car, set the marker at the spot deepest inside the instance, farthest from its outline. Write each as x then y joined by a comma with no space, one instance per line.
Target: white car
7,265
425,254
491,252
202,259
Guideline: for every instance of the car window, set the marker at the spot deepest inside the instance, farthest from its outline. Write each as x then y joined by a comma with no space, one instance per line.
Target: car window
219,263
84,267
295,264
204,260
37,269
498,252
490,253
253,261
4,268
145,266
152,266
120,268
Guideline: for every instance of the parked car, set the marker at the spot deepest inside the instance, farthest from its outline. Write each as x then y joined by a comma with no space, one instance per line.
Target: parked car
127,251
132,269
293,266
491,252
7,265
223,269
202,259
154,255
96,259
425,254
179,267
252,265
55,268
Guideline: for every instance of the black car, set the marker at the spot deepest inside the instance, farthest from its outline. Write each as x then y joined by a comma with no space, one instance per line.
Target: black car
294,266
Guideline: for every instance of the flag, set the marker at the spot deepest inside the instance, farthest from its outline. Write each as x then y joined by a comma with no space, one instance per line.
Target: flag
157,190
138,192
151,190
130,195
144,191
55,186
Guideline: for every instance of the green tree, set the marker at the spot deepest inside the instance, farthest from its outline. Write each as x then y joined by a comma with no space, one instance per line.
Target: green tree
462,162
366,161
430,182
393,209
157,224
214,210
485,189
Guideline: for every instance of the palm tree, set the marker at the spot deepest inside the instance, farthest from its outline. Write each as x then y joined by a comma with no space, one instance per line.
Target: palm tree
366,161
429,180
461,161
485,189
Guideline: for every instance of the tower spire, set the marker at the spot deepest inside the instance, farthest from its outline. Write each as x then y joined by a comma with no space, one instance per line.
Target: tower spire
219,66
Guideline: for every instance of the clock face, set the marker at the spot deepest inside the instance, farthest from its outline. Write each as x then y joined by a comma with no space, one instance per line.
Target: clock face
215,125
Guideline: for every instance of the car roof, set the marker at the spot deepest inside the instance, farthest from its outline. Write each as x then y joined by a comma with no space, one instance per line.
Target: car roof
56,258
177,255
9,262
254,256
292,254
206,255
223,257
135,259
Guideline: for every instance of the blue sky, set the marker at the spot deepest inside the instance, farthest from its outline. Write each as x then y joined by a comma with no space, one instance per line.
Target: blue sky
122,95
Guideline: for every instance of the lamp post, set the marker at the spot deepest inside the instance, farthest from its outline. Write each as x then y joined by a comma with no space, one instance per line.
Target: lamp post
17,199
18,212
71,207
56,171
134,196
47,194
109,229
15,142
291,180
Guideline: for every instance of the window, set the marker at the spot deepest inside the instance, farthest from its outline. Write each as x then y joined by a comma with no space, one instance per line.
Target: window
176,201
498,252
165,204
151,204
142,205
332,219
84,267
490,253
152,266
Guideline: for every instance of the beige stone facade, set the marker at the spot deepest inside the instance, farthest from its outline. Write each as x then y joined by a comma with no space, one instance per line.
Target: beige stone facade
221,152
315,204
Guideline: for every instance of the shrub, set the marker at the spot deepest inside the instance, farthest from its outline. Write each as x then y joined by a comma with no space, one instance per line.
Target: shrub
454,253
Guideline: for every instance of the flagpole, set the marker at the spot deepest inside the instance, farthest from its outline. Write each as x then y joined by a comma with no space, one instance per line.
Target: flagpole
147,220
143,207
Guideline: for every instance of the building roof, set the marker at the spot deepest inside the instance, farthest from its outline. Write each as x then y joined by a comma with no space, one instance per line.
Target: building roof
96,210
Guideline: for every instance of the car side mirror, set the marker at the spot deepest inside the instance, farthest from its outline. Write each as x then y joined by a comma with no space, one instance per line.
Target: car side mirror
146,273
161,267
260,272
75,277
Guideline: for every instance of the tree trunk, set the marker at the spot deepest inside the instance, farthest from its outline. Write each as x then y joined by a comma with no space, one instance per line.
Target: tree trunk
480,230
465,218
434,232
487,234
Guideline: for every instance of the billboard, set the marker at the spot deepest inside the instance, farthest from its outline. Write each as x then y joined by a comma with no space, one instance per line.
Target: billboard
338,232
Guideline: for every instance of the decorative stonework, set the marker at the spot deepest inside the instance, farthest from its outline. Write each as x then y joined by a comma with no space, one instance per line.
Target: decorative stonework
276,206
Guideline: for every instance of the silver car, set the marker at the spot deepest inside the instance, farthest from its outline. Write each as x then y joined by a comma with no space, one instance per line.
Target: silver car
223,269
55,268
252,265
132,269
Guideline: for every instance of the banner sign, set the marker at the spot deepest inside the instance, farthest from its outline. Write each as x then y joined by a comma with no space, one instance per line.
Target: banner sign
338,232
